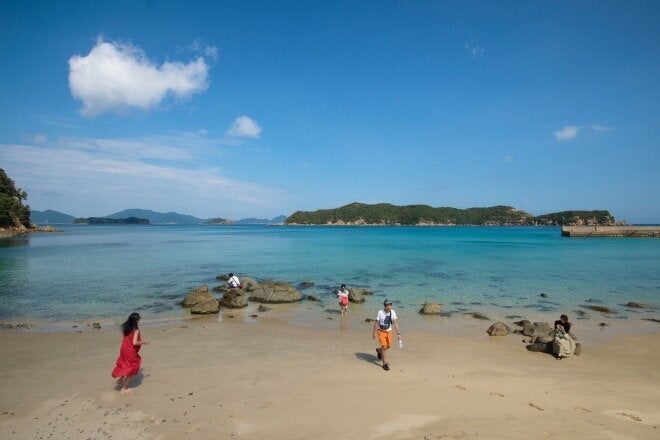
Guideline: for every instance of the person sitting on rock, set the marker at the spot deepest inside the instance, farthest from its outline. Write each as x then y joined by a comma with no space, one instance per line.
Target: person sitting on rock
563,344
563,323
233,282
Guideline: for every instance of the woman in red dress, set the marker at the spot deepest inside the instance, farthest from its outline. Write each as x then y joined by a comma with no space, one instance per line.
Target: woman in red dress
128,362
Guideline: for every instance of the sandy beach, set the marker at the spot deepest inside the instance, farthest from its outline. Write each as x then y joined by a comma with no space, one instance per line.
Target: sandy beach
204,378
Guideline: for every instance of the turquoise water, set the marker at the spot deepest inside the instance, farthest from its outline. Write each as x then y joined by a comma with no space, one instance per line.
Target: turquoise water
89,272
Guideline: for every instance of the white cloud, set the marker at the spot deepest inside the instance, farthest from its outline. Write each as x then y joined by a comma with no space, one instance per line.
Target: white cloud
244,126
117,77
474,51
567,133
83,176
508,159
601,128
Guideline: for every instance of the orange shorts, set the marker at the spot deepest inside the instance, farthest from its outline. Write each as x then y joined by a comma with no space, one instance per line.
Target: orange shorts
384,338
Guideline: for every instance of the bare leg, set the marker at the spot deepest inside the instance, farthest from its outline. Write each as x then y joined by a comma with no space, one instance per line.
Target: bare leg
125,388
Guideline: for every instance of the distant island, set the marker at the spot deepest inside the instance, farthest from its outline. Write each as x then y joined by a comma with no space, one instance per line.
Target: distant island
424,215
50,217
111,221
219,221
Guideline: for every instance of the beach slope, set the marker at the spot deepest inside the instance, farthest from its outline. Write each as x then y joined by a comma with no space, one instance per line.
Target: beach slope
210,379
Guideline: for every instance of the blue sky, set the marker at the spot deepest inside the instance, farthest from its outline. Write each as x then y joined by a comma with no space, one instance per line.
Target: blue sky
261,108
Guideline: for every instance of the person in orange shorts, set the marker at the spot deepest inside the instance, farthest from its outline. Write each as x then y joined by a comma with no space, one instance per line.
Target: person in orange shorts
385,319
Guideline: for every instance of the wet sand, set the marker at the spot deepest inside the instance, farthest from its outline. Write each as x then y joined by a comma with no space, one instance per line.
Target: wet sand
263,377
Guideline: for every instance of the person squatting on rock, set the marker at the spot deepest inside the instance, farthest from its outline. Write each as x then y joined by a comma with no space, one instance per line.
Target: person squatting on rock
234,282
385,319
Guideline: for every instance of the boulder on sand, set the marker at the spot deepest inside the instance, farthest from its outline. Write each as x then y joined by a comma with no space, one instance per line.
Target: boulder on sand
207,307
274,292
498,329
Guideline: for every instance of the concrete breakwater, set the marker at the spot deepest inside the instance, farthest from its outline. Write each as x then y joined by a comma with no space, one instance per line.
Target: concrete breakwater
610,231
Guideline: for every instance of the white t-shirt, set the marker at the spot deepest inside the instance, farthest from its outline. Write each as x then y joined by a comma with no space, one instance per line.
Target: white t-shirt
233,281
382,316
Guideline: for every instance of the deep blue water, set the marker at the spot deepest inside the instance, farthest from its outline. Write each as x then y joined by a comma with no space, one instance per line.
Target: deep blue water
104,271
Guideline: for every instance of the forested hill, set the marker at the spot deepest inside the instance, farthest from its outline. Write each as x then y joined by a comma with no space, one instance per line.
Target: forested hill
387,214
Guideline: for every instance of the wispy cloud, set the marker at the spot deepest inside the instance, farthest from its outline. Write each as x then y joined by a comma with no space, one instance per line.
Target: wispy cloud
163,173
117,77
245,127
567,133
475,52
571,132
508,159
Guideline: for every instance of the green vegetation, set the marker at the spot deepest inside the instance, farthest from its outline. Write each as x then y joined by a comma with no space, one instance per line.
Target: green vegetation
111,221
219,221
387,214
599,217
12,211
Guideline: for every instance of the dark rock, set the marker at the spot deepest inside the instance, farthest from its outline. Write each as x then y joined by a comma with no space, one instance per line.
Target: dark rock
522,323
207,307
312,298
369,320
274,292
498,329
543,295
431,309
651,319
305,285
601,309
580,313
234,299
603,324
222,277
196,296
636,305
512,317
356,295
542,348
96,325
263,308
477,315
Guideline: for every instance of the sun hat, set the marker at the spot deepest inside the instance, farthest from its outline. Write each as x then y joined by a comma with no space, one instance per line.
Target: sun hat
386,302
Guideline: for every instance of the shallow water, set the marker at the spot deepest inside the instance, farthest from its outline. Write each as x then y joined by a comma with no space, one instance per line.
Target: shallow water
91,272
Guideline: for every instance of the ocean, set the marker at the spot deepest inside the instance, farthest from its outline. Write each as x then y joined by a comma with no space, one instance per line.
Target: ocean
93,272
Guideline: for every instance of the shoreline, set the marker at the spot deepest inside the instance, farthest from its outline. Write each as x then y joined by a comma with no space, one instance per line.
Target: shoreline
206,378
594,327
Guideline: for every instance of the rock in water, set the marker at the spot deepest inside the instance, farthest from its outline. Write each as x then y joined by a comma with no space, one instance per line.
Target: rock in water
197,296
275,292
431,309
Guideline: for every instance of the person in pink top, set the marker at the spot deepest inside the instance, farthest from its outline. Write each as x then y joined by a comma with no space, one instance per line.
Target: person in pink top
342,293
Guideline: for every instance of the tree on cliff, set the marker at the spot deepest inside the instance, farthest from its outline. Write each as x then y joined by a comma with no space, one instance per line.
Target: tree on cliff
12,211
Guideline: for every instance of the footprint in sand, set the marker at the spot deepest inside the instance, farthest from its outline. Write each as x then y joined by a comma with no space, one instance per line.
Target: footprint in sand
630,416
497,394
582,409
536,406
460,387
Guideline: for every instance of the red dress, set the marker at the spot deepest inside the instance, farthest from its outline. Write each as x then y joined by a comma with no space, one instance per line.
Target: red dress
128,362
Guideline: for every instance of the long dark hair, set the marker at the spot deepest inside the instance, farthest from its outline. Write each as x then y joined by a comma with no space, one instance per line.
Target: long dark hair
131,323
